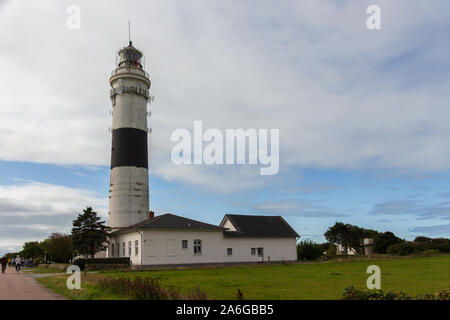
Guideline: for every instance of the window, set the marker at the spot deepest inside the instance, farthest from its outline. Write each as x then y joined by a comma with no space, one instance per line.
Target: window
253,251
136,247
229,251
123,249
118,249
112,249
129,248
197,247
184,244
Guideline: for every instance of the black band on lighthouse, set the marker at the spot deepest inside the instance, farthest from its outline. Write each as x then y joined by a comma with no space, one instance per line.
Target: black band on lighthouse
129,148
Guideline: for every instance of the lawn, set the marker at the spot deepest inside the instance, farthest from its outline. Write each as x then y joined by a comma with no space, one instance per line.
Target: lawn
42,270
326,280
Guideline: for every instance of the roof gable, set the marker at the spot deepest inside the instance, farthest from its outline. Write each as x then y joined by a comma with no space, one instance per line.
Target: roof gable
248,226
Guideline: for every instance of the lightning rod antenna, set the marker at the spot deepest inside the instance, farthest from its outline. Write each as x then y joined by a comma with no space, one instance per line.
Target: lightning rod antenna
129,30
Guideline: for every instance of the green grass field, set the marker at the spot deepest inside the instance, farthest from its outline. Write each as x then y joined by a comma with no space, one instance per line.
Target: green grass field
325,280
42,270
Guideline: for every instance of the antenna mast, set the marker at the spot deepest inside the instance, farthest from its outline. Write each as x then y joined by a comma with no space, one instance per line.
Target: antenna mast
129,30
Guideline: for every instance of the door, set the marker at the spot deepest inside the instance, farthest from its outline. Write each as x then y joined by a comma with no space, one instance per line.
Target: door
261,254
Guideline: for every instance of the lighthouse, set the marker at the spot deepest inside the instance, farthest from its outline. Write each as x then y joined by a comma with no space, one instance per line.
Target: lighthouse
128,189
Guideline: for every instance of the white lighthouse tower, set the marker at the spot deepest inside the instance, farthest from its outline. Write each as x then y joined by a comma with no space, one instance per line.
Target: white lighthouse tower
128,189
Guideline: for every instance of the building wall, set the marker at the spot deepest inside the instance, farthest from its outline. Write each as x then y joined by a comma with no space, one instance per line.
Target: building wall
340,250
129,196
165,247
126,238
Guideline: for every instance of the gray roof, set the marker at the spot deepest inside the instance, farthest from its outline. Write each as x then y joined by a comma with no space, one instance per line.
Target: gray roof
170,221
259,227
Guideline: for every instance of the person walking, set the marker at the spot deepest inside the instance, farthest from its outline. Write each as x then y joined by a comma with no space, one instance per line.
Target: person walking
4,262
18,263
9,262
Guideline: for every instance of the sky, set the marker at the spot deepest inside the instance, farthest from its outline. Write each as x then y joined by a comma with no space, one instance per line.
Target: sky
363,114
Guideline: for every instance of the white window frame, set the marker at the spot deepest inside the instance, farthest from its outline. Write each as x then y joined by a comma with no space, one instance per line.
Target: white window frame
197,247
229,252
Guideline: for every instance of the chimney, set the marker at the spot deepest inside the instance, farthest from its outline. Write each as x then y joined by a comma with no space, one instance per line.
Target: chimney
151,214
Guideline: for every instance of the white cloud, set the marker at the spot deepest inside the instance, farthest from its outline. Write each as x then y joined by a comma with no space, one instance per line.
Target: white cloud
296,208
342,97
31,211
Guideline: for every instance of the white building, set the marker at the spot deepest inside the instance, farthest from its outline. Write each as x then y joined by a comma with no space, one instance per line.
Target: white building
341,250
173,240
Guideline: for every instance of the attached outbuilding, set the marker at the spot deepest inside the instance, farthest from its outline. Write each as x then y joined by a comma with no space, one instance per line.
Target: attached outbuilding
169,239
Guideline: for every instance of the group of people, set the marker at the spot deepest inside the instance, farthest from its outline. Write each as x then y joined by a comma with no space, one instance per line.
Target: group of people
17,262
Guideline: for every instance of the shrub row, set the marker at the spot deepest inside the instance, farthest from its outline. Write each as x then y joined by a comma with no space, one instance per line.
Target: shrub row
101,261
99,267
308,250
354,294
413,247
146,289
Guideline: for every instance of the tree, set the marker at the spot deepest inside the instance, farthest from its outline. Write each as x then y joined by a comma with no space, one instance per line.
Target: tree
348,236
89,234
308,250
384,240
423,239
58,247
32,250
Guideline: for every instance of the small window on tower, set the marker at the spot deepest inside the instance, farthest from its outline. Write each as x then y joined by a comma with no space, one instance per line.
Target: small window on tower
136,247
184,244
129,248
229,251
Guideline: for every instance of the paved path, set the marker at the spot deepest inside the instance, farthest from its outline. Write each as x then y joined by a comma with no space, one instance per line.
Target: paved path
14,286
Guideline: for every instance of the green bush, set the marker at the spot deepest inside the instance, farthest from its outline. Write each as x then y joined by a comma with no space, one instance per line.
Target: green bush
428,253
331,251
383,241
104,266
422,240
405,248
420,245
354,294
441,244
146,289
308,250
102,261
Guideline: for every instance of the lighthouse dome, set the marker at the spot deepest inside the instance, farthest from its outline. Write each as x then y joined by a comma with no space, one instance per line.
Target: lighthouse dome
130,57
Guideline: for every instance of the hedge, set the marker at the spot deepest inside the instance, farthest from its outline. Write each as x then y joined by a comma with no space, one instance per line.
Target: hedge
102,261
99,267
354,294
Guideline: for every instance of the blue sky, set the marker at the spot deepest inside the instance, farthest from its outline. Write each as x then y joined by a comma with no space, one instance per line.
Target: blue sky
363,115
